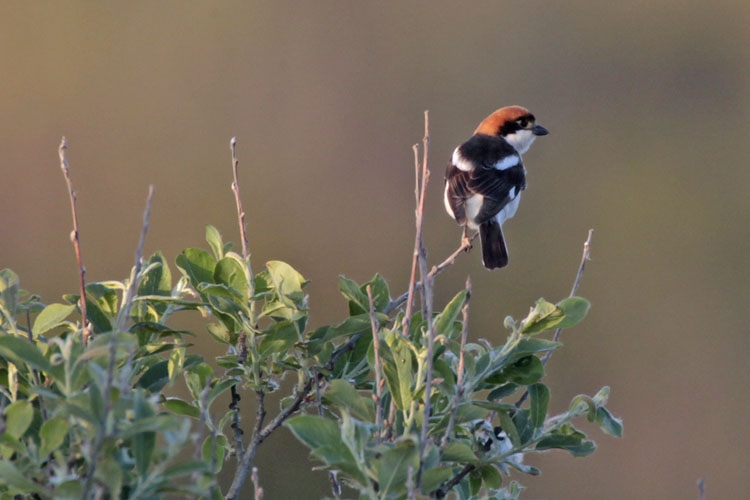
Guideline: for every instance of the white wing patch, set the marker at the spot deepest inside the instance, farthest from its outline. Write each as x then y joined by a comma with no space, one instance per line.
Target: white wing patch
473,206
507,162
460,162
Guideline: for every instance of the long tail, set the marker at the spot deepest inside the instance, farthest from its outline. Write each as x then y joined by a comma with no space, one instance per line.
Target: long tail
494,251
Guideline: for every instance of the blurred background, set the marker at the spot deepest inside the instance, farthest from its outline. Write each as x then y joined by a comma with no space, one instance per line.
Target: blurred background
648,104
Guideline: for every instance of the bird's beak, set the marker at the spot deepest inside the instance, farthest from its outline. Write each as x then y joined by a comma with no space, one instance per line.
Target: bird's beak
539,130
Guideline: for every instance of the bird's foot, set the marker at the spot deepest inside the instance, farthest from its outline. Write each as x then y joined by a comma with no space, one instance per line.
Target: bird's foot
466,242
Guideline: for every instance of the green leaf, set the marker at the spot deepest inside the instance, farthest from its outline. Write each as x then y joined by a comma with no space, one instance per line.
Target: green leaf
575,310
543,316
100,321
392,467
197,265
444,321
11,476
532,345
155,378
583,404
314,431
501,392
213,237
230,273
526,371
279,338
433,477
381,295
507,424
469,412
180,407
184,468
608,422
157,280
108,472
567,438
490,475
459,451
358,301
539,394
18,417
214,450
144,443
323,437
396,357
342,394
220,389
51,317
22,352
350,326
53,434
10,288
286,280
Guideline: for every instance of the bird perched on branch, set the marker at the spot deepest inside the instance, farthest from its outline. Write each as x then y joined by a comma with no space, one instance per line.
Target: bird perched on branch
485,177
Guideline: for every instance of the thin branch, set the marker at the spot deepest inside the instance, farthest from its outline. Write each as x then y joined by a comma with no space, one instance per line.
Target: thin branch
420,254
262,435
417,244
378,367
447,486
238,200
449,261
124,314
299,401
427,299
574,289
576,283
460,367
130,294
242,348
256,484
74,237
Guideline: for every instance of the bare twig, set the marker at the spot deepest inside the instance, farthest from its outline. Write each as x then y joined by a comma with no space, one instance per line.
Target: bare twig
242,348
465,246
427,296
238,200
448,485
460,367
130,294
299,401
256,484
121,323
418,248
378,367
574,289
261,435
74,237
702,488
449,261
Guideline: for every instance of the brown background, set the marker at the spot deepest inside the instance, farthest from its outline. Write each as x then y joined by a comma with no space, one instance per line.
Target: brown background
648,106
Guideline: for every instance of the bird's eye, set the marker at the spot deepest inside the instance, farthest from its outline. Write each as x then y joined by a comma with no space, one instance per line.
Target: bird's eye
523,122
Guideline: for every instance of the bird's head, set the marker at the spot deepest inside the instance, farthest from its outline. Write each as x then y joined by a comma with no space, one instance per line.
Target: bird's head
515,124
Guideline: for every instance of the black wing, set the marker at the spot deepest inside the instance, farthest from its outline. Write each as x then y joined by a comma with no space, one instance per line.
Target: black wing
495,185
457,191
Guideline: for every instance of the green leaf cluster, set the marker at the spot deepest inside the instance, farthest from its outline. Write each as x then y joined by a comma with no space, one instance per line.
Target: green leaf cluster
135,412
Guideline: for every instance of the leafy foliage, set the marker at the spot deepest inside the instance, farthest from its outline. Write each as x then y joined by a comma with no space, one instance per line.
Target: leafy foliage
105,419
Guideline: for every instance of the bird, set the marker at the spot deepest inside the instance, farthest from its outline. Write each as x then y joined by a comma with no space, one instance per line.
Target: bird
485,177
